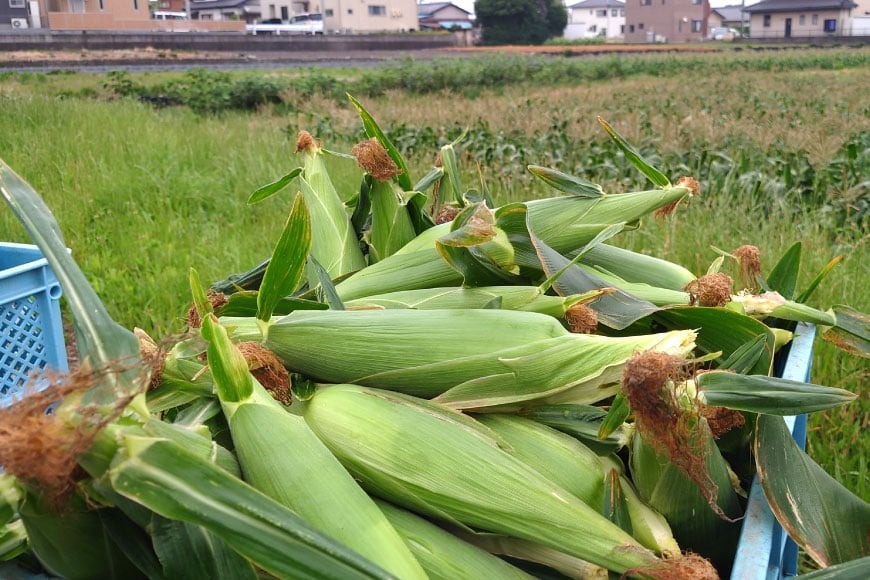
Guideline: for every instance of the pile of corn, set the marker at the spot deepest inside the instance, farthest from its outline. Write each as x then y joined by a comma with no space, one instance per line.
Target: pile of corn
416,384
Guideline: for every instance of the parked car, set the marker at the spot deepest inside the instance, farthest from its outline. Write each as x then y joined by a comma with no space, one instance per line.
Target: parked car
723,34
310,23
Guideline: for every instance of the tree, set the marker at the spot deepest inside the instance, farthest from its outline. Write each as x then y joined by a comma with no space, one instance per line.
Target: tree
520,21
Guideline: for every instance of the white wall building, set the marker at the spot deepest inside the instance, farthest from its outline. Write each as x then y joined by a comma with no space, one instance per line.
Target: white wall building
596,18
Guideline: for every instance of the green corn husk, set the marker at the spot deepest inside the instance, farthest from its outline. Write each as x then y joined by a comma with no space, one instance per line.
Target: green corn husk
695,525
334,243
308,479
637,268
525,298
563,223
443,555
391,225
436,462
567,462
656,295
504,357
565,564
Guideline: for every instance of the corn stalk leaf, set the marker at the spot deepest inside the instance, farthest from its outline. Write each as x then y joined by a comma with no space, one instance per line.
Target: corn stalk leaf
191,551
271,189
287,265
616,416
721,330
745,357
200,299
100,339
244,303
653,174
565,183
852,332
615,506
178,485
327,288
362,207
858,569
768,395
826,520
374,132
134,542
805,295
249,280
429,179
583,422
784,275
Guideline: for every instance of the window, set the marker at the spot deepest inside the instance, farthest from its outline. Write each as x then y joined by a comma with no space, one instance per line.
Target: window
622,13
593,28
614,12
377,10
328,12
767,20
815,19
350,10
622,28
631,28
830,25
136,5
285,13
16,4
802,19
102,5
696,2
601,13
640,26
646,2
696,26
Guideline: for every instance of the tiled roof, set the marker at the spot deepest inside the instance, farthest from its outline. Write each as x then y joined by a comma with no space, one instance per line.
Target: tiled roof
598,4
792,5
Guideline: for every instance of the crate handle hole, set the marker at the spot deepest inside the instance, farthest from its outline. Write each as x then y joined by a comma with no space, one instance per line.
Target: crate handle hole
55,291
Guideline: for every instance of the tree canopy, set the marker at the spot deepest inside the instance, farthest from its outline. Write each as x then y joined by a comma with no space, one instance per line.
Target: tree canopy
520,21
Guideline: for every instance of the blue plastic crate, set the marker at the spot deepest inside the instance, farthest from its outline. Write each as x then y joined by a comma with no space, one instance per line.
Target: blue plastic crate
31,329
765,552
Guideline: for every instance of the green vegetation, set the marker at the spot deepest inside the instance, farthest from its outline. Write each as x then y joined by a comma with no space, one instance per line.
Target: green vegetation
520,21
778,140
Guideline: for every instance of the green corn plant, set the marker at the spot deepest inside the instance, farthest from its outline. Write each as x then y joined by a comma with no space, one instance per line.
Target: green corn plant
482,486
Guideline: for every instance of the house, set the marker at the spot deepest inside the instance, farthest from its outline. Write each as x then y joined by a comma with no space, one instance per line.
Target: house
728,17
443,16
801,18
366,16
666,20
596,18
247,11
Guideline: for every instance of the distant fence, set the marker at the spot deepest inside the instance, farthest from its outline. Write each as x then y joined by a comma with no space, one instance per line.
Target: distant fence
224,42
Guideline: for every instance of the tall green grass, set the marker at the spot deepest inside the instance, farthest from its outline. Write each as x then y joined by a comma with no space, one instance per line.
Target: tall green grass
143,194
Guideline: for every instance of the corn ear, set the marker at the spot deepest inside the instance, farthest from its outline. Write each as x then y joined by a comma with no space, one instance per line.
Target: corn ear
637,268
395,445
563,223
504,357
308,480
443,555
334,243
391,226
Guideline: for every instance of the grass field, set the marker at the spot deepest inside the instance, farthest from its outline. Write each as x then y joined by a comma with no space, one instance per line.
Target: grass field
143,194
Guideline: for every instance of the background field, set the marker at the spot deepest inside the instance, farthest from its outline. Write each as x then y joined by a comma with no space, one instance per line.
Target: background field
780,143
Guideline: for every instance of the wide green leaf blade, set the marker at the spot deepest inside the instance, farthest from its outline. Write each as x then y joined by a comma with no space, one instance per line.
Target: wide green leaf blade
852,570
565,183
271,189
244,303
374,131
287,265
190,551
768,395
451,173
721,330
784,276
852,332
327,288
616,416
745,357
181,486
826,520
99,339
653,174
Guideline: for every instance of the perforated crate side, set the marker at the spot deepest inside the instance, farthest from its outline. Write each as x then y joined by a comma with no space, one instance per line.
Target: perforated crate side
31,329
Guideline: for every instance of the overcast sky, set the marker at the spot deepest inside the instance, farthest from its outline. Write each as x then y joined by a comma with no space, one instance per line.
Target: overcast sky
469,4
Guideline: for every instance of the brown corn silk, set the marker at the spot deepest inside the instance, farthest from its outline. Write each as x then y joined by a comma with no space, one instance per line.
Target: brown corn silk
710,290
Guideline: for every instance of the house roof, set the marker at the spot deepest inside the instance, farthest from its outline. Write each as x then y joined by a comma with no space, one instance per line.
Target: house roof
217,4
429,10
792,5
598,4
730,13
